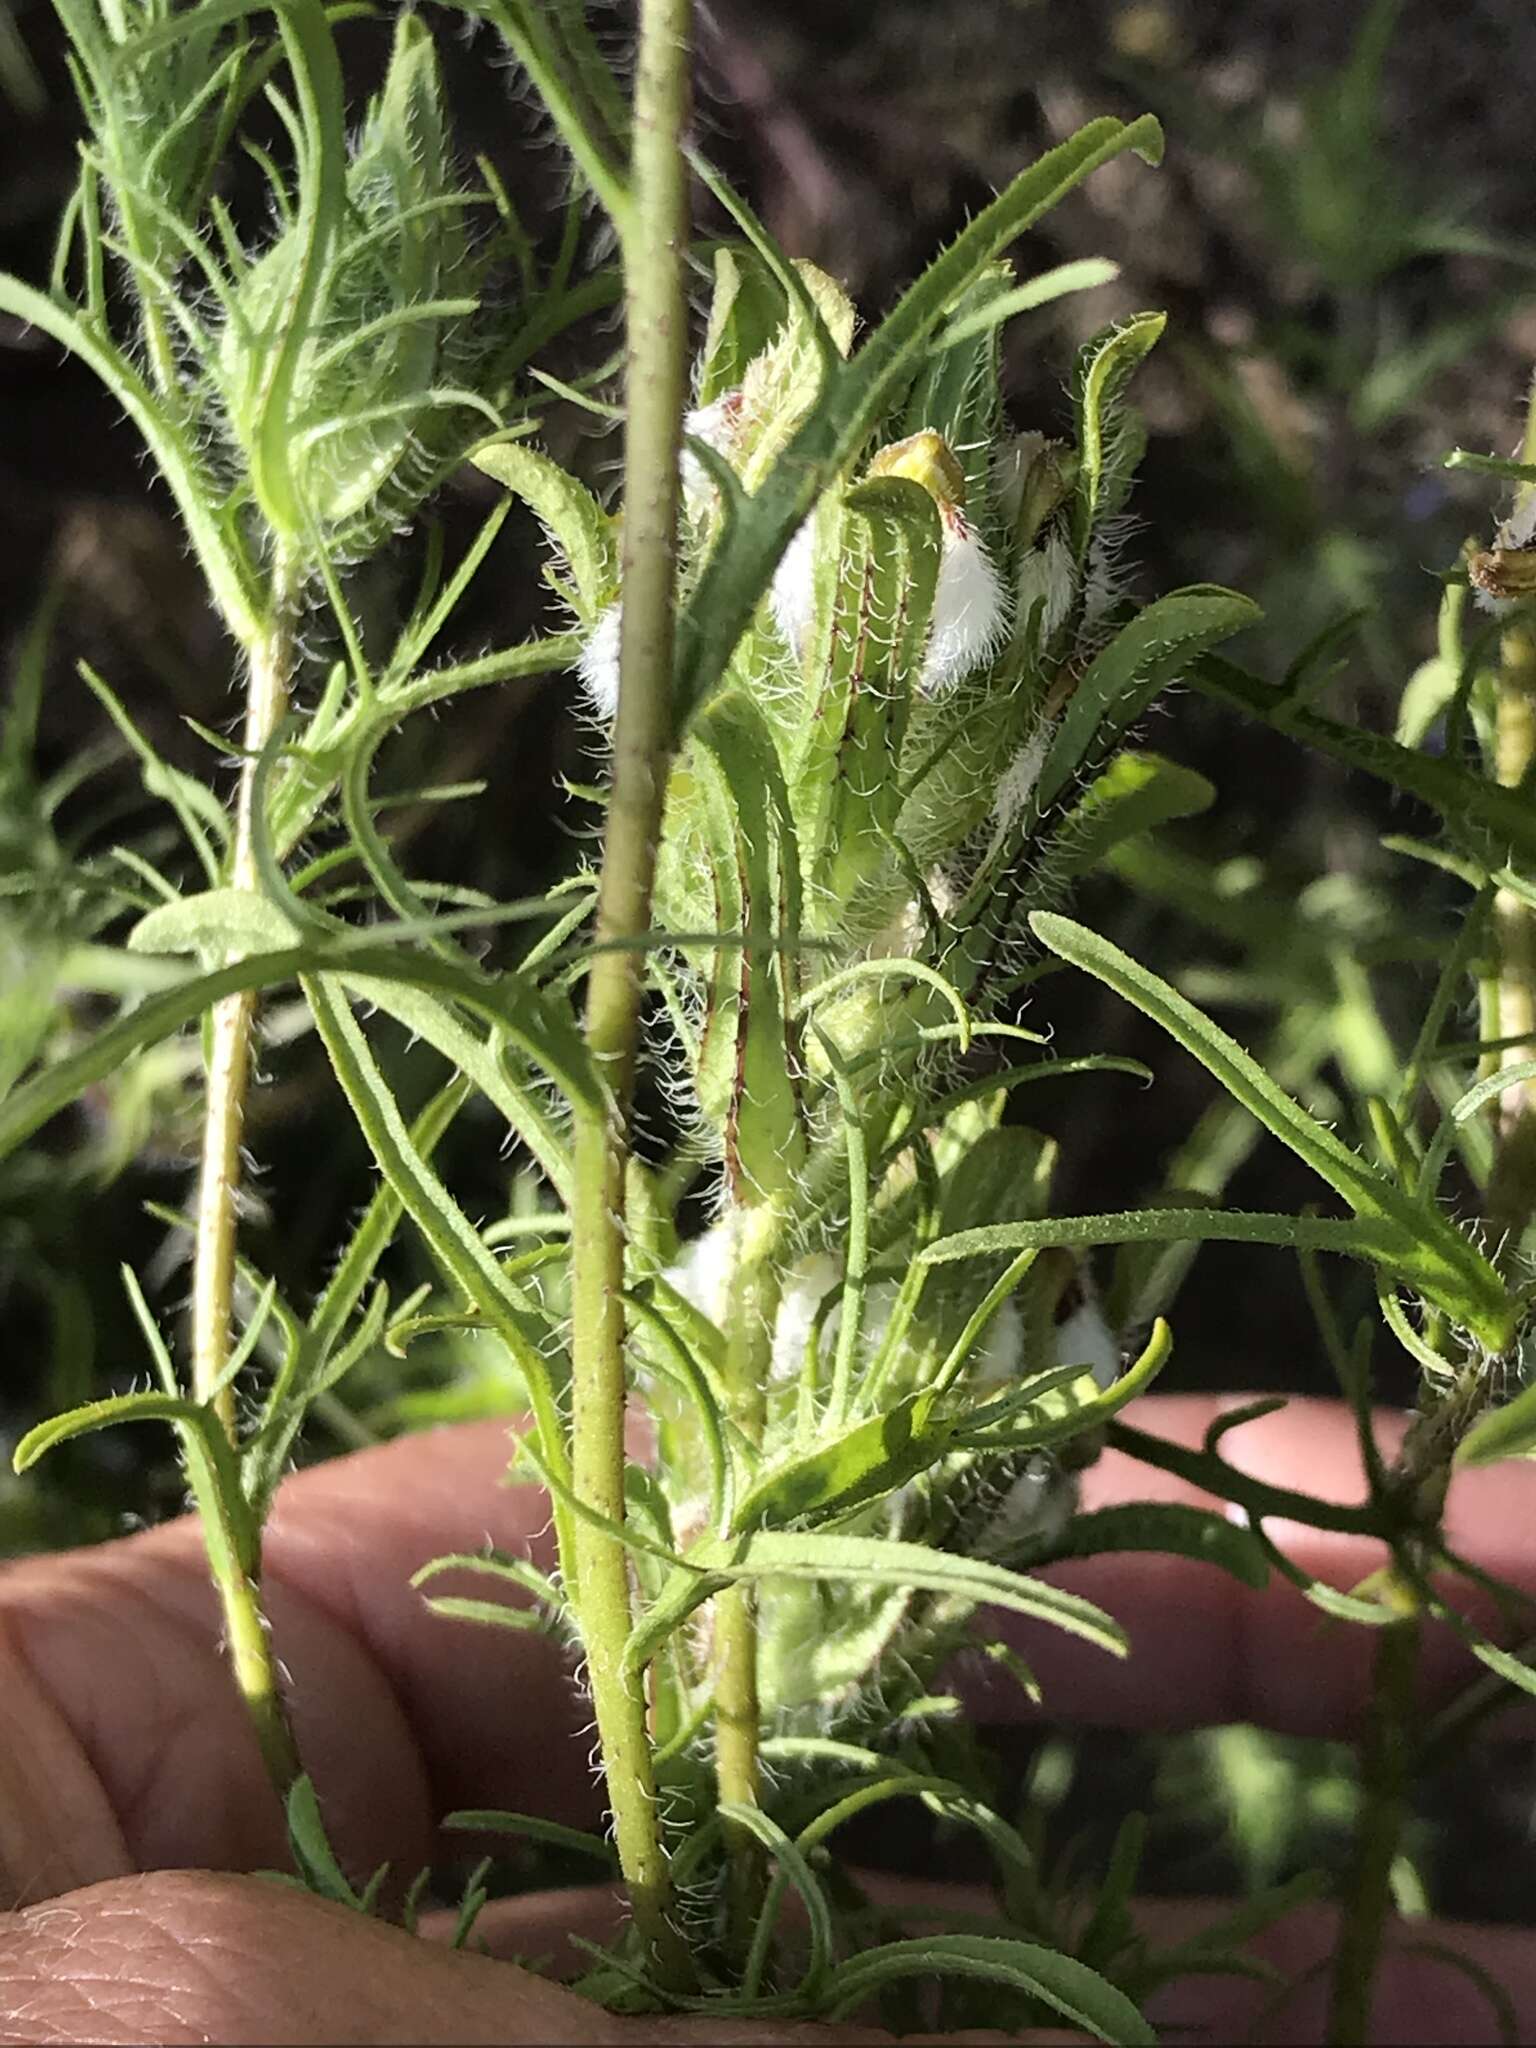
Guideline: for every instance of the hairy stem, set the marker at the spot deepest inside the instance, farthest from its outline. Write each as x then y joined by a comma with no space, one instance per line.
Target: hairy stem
232,1540
229,1048
1385,1765
750,1317
235,1564
655,247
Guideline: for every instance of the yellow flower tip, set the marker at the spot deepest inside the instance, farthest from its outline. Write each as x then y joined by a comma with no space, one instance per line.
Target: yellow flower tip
925,459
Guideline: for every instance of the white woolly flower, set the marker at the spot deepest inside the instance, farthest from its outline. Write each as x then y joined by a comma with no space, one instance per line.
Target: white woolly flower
716,425
996,1364
703,1273
1086,1339
598,663
793,595
1047,577
970,611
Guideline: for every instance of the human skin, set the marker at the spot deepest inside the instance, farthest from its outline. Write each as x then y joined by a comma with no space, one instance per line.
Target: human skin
132,1798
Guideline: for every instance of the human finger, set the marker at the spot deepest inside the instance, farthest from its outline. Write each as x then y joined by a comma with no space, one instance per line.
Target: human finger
1206,1648
128,1749
180,1956
123,1745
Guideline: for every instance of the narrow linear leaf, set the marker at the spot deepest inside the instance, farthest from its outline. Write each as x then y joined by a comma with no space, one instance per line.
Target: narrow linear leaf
1493,822
489,1613
527,1016
1069,1987
1084,275
1145,656
513,1571
1158,1226
1508,1667
487,1820
106,1414
793,1869
455,1244
1166,1527
1507,1432
1412,1239
569,513
486,1064
859,1560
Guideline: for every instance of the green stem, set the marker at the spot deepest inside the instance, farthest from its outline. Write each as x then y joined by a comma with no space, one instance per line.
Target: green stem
655,249
1385,1767
270,659
237,1581
750,1317
235,1563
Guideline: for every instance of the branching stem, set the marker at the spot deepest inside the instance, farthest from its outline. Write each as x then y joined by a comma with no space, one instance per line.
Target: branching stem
1215,1475
655,248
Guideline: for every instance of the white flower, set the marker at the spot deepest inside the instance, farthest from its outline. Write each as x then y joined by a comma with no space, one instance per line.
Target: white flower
793,595
1086,1339
717,426
703,1275
969,620
970,613
598,663
1047,576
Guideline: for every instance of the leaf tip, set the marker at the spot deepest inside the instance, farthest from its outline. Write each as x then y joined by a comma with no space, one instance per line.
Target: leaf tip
1149,140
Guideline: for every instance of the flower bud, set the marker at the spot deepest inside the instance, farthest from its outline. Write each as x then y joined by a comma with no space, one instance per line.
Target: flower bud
342,424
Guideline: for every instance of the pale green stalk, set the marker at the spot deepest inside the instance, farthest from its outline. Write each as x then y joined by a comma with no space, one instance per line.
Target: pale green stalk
232,1539
655,249
752,1310
237,1578
270,663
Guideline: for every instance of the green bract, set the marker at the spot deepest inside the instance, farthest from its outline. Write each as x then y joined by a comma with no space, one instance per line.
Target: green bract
348,334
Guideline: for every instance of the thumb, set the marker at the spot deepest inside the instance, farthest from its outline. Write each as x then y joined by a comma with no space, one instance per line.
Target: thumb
188,1956
184,1956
